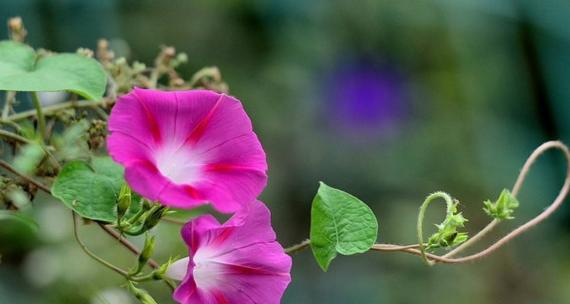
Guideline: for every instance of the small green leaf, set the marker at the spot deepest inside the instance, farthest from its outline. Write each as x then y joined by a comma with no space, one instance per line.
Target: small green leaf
447,234
22,70
91,190
340,223
503,208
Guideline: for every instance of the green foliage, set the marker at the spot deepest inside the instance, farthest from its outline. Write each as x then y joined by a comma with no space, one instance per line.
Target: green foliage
20,217
503,208
71,144
340,223
124,201
21,69
447,234
142,295
29,158
91,190
145,254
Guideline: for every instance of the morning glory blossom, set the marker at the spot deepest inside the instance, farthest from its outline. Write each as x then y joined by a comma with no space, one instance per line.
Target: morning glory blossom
236,262
187,148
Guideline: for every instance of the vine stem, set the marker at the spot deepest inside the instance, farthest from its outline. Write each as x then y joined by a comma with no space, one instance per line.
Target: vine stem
515,191
14,136
40,115
416,249
516,232
93,255
10,96
50,110
110,231
419,228
298,247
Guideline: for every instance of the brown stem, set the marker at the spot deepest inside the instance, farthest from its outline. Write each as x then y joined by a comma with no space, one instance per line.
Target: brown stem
50,110
516,189
91,254
447,259
130,246
28,179
298,247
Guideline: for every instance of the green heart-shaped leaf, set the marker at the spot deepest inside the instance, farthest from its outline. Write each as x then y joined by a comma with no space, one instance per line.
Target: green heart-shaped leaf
340,223
91,190
22,70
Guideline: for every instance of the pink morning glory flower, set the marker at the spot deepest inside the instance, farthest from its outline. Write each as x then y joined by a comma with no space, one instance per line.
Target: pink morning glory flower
236,262
187,148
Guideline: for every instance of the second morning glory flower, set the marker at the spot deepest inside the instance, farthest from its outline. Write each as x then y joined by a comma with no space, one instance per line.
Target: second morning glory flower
236,262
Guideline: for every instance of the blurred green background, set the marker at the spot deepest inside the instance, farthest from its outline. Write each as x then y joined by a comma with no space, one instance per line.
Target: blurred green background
388,100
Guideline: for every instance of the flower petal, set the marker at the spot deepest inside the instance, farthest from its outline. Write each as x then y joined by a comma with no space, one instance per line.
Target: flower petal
237,262
251,225
177,270
194,147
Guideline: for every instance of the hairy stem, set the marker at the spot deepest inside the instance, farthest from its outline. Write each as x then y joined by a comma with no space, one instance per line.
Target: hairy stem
515,191
40,115
93,255
298,247
421,215
14,137
9,100
516,232
50,110
419,249
473,240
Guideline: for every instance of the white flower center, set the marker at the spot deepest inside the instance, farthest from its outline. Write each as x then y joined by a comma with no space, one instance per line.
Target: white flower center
177,270
208,272
178,164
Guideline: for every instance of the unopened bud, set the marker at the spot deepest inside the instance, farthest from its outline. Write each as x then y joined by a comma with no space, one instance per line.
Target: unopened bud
124,201
154,217
169,51
147,251
142,295
16,29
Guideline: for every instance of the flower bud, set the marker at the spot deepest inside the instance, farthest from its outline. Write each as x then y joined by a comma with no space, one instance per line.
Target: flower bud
142,295
154,217
147,251
124,201
17,30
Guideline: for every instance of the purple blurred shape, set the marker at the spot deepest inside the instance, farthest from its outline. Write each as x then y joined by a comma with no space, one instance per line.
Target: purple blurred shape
366,98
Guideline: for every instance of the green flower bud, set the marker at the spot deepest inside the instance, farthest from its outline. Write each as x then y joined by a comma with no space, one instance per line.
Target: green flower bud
448,234
124,201
503,208
147,250
142,295
154,217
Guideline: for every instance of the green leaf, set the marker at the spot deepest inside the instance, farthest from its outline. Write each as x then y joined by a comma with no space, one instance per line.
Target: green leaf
21,69
90,190
340,223
503,208
6,215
